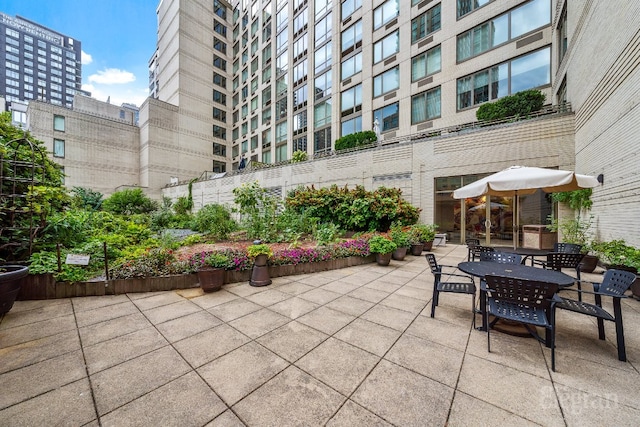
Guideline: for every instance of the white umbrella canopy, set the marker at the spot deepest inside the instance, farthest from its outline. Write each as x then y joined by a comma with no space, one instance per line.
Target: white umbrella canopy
517,180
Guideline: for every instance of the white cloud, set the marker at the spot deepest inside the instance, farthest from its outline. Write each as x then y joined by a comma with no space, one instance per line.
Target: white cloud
86,58
118,95
110,76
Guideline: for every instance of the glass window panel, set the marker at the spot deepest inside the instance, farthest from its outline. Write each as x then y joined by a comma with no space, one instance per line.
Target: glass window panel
530,16
351,66
386,47
388,117
530,71
58,123
425,106
385,13
426,64
58,148
386,82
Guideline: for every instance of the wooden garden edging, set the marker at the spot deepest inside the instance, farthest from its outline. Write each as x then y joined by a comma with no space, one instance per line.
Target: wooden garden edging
43,286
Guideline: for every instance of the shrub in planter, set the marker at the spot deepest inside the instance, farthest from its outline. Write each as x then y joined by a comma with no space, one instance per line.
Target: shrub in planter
211,274
402,240
382,247
518,104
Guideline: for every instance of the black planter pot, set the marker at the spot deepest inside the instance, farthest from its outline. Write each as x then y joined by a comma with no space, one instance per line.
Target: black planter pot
399,254
383,259
211,279
416,249
588,263
10,276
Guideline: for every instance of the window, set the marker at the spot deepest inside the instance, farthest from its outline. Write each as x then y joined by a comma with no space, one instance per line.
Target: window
219,132
282,40
468,6
388,117
300,123
386,82
254,104
300,47
220,63
282,17
58,123
352,38
266,157
322,6
219,9
385,13
351,66
254,142
425,24
425,106
562,35
266,55
352,126
323,57
300,96
322,114
300,22
525,72
322,141
351,100
323,30
266,139
266,96
300,71
254,123
322,85
508,26
219,149
350,6
219,97
281,153
58,148
281,108
281,132
219,80
219,114
300,144
281,85
266,115
219,45
219,28
386,47
425,64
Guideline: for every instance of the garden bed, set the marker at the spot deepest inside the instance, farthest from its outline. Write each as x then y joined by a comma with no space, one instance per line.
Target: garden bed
43,286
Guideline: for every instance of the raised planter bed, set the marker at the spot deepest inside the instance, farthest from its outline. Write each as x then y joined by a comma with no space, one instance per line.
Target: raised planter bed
43,286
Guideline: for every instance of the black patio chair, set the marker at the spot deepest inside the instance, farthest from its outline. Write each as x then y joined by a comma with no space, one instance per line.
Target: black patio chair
614,284
479,249
565,248
495,256
529,302
471,243
456,283
559,260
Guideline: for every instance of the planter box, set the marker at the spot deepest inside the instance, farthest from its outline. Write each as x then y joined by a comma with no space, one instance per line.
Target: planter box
43,286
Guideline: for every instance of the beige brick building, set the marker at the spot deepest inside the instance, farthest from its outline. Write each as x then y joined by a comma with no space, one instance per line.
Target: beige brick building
265,78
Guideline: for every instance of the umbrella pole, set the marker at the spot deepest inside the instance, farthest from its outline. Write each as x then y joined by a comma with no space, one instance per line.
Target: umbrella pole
517,214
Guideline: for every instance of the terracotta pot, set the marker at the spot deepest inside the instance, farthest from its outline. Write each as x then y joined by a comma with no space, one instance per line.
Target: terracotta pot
427,246
261,260
211,279
10,285
416,249
383,259
399,254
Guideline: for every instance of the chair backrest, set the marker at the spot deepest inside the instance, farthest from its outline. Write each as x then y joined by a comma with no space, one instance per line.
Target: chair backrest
435,268
477,250
568,248
560,260
501,257
470,241
616,282
523,292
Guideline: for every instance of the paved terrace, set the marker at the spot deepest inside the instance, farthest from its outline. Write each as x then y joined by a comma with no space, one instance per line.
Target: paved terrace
351,347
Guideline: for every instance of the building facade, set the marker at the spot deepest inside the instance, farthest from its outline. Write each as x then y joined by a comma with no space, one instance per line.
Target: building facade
38,63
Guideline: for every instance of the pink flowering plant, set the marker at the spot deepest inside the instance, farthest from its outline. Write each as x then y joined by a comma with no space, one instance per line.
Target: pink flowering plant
238,259
299,255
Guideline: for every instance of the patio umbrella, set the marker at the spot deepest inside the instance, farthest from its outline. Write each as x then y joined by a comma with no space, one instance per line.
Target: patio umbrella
517,180
492,206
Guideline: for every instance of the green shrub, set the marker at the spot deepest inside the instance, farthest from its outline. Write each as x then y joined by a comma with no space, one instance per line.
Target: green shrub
326,233
129,201
86,198
299,156
399,236
214,220
381,245
258,210
355,140
519,104
217,260
259,249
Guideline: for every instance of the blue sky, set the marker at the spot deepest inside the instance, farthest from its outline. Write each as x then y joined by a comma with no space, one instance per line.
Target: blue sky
118,38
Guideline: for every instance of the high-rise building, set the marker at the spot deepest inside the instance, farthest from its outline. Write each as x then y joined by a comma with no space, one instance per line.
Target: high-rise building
289,75
38,63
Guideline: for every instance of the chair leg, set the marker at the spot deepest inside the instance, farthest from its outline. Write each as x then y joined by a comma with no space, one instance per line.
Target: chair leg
473,309
598,299
551,337
483,309
579,283
485,316
617,312
434,301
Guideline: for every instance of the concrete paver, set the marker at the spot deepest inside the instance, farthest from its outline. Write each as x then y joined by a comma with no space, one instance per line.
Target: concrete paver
355,346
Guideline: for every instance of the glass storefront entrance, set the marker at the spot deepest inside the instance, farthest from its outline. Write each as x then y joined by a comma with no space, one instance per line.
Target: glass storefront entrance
488,218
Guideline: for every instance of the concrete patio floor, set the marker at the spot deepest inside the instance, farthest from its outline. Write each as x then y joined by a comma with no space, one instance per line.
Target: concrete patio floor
350,347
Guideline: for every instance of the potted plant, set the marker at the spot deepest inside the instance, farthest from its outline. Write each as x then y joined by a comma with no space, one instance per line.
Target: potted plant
576,231
383,248
211,273
424,233
401,238
616,254
260,253
10,276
